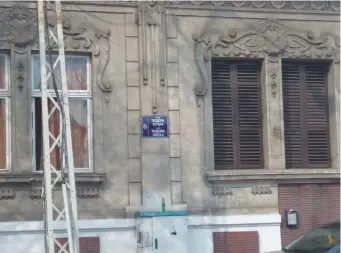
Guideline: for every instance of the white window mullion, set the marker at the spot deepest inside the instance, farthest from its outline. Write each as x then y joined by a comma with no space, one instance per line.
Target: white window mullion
5,97
89,116
34,162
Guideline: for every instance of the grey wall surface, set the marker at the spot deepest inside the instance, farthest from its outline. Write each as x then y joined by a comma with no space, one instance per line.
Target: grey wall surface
149,58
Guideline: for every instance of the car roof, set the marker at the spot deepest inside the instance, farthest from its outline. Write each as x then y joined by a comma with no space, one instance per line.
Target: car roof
334,224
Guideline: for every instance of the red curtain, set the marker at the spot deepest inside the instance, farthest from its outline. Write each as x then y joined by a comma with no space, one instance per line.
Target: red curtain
54,125
3,141
77,80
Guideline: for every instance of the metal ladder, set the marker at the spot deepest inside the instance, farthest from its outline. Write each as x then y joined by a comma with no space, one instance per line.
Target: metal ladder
55,212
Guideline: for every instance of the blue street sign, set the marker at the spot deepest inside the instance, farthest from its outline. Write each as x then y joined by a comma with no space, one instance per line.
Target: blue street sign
154,126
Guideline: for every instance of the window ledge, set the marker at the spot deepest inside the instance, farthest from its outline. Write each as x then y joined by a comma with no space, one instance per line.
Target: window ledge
87,184
283,176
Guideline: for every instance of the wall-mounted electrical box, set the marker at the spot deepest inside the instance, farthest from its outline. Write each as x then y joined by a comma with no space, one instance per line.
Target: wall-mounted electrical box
292,220
162,232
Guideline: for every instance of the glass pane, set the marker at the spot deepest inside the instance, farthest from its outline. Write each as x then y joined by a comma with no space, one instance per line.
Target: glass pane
3,141
2,72
76,72
317,240
54,127
79,124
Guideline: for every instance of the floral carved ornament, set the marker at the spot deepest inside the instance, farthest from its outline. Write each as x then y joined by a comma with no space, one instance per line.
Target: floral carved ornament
269,39
18,26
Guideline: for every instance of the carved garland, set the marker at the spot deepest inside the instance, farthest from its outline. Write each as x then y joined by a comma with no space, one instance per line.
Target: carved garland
18,26
267,38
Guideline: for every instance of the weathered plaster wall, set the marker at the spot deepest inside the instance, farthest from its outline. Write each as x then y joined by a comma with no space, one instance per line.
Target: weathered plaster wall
152,69
195,121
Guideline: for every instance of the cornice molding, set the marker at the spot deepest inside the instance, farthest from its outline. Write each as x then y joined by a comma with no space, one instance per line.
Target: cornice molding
300,6
268,38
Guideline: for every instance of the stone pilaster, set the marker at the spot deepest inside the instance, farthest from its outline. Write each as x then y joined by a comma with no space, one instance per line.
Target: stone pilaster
334,113
154,152
274,150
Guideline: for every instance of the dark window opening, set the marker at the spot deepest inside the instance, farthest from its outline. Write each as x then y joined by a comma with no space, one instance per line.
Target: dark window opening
306,117
38,133
237,119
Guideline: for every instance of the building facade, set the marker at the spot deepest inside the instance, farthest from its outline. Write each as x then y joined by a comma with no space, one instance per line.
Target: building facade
251,90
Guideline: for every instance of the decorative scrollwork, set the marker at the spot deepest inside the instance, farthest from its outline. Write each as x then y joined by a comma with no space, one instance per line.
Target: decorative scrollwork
95,40
18,26
267,38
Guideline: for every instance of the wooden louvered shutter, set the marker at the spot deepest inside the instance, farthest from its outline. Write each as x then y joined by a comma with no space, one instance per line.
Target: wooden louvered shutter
237,120
86,245
236,242
305,103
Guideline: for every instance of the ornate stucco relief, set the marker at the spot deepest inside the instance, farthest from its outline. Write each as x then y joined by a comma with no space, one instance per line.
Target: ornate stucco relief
268,38
327,6
84,190
221,190
261,189
151,21
287,5
18,26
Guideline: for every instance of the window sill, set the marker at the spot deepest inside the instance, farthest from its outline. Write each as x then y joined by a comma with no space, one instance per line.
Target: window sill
274,177
87,184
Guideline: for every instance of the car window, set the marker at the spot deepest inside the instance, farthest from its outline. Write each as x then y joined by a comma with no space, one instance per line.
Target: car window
319,240
336,249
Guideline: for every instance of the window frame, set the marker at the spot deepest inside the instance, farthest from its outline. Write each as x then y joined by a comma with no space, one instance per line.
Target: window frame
74,95
6,95
303,63
237,154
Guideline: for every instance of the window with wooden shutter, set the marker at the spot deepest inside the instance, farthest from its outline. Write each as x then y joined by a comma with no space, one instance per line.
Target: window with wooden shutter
236,242
237,119
86,245
306,120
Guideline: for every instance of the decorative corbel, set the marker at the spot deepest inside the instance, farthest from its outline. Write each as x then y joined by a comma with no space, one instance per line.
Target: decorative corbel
261,189
7,194
202,55
221,190
36,193
88,193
